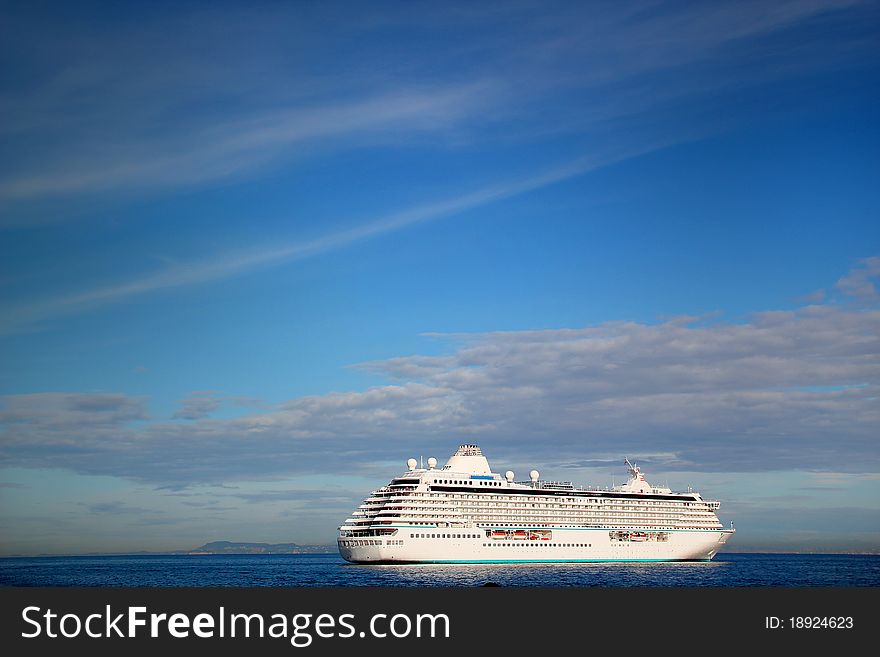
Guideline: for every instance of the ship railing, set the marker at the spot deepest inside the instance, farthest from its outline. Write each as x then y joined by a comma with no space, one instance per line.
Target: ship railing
558,485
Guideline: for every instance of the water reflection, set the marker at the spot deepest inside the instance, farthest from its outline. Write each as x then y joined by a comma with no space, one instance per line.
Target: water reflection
539,574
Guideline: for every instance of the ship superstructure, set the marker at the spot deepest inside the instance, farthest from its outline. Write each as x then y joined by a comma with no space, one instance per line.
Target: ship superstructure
465,513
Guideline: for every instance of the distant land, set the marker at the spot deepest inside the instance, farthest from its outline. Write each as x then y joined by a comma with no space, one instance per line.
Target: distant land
227,547
215,547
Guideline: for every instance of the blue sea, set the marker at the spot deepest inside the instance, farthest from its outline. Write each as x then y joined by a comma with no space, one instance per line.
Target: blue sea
290,570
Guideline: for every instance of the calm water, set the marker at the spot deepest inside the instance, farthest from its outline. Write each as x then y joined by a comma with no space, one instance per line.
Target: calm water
331,570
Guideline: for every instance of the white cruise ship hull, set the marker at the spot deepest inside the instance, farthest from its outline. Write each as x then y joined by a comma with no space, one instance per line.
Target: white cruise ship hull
564,546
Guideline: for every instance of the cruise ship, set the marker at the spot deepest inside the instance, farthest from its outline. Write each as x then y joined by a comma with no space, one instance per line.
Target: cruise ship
465,513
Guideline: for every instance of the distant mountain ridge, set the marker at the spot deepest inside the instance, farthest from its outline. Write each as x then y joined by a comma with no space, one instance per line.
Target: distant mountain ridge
230,547
215,547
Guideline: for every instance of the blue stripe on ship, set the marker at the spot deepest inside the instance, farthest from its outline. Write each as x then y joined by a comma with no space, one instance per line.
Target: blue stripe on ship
404,562
567,529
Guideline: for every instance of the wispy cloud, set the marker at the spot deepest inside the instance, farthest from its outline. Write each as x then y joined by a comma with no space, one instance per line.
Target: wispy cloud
236,146
92,410
233,92
860,282
119,508
198,405
239,262
202,403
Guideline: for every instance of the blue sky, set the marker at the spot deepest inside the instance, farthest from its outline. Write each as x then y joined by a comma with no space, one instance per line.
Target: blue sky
253,256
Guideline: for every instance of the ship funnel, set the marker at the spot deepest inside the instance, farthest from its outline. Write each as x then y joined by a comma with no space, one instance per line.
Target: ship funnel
468,459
